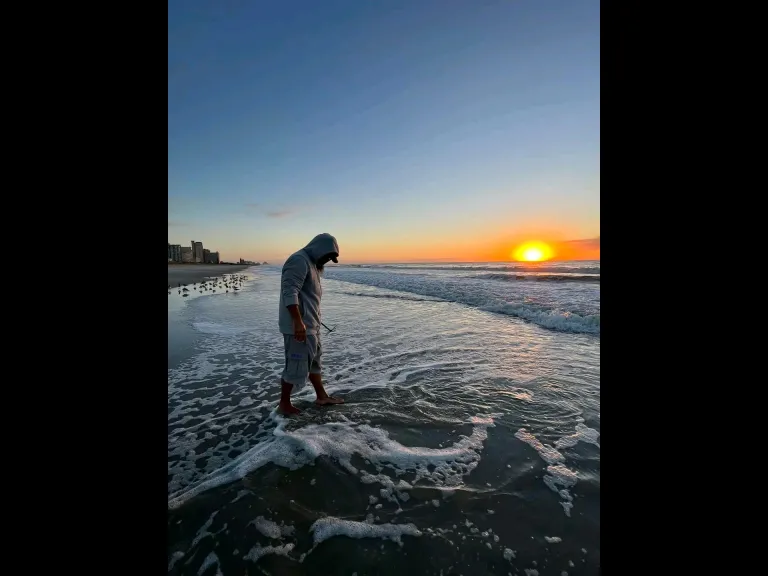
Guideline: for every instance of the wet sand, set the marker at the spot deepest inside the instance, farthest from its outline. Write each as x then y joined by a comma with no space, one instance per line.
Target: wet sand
189,273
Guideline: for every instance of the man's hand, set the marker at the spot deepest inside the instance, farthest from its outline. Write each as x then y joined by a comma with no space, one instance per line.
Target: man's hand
299,330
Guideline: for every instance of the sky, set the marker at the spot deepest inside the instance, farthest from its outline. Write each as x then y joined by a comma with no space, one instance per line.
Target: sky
412,130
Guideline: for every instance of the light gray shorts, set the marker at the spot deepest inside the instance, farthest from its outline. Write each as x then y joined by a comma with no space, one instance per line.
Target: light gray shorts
301,359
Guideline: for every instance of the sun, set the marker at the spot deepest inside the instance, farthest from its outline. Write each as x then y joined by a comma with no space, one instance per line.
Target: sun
532,252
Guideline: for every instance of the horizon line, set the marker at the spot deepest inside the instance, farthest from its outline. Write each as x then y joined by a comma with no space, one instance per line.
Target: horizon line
449,261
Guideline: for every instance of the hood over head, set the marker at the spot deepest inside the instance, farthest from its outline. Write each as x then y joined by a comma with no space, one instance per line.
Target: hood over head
322,245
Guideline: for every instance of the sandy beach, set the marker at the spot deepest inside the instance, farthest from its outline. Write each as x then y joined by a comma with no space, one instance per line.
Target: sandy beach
189,273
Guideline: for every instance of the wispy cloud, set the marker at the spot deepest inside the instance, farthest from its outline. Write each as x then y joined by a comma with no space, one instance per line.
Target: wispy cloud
254,208
593,243
281,213
581,249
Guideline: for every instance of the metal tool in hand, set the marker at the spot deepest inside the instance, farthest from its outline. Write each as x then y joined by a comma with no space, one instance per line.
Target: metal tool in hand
329,329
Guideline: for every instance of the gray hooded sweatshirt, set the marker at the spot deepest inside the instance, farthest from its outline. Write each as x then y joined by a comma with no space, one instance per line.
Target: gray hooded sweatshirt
300,283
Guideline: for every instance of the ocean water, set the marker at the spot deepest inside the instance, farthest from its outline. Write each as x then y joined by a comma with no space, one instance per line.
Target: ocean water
469,443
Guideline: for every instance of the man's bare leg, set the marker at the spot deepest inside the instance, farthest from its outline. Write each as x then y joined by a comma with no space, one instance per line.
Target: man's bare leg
285,406
322,396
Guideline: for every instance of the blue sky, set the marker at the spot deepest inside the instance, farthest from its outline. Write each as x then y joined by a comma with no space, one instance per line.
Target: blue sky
408,129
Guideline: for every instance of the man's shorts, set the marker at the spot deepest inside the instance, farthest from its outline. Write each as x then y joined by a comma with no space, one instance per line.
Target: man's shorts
301,359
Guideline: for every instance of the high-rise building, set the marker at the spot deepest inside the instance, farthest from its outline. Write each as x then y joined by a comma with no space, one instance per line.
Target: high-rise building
197,252
174,252
186,255
214,257
206,256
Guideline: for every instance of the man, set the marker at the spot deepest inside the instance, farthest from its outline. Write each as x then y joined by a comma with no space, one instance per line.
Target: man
300,294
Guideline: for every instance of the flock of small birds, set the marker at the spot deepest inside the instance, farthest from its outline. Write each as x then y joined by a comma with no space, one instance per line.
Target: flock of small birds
226,283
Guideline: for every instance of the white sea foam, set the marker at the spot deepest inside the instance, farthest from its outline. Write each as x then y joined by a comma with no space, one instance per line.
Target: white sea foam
582,434
209,561
553,320
560,475
329,527
547,453
570,310
269,528
240,494
340,440
203,530
557,473
259,551
175,557
553,539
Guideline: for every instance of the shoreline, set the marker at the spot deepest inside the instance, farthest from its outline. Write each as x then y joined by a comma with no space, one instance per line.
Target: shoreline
193,273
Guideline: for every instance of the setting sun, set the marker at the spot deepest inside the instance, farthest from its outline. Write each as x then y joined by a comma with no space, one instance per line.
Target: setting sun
533,252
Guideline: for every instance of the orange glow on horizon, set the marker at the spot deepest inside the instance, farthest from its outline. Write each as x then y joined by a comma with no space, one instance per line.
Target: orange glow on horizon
469,247
534,251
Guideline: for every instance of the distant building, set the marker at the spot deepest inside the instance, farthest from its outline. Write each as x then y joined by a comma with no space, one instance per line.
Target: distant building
186,255
206,256
174,252
214,257
197,252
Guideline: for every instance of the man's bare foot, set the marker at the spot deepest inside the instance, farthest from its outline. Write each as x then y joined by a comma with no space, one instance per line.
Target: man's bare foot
287,410
328,400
